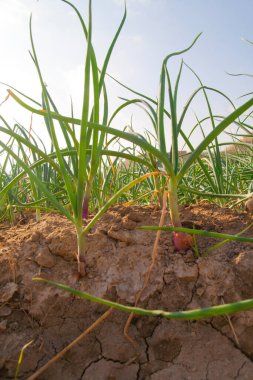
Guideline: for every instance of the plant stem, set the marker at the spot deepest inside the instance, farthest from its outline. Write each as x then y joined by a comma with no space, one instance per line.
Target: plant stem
173,200
181,240
71,345
85,209
159,192
81,245
38,215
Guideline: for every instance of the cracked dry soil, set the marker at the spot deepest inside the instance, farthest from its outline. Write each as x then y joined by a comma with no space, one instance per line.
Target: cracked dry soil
117,257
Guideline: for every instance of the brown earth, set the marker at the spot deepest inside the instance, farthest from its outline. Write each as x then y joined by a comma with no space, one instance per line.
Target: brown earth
117,257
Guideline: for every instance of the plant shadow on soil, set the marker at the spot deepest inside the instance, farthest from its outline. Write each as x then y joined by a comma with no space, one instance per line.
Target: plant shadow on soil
117,257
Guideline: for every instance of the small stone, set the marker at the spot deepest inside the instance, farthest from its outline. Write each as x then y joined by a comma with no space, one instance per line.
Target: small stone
186,272
3,325
121,235
7,291
128,224
134,237
35,236
44,258
63,243
115,227
5,311
136,216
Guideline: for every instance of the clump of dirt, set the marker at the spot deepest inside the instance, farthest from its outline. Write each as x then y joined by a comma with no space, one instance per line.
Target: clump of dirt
117,257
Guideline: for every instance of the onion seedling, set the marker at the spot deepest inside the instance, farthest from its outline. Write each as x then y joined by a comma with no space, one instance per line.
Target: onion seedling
169,160
80,161
88,148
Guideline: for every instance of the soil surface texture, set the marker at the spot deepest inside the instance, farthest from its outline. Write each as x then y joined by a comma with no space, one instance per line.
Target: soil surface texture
118,255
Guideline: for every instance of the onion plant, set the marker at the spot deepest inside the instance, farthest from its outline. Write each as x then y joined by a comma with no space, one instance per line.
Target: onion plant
237,175
167,161
169,158
66,177
8,171
78,163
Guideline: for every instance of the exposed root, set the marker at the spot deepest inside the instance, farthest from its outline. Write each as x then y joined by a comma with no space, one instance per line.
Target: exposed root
147,274
81,268
231,340
232,327
72,344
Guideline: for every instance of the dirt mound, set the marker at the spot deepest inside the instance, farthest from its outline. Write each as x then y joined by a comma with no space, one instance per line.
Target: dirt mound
117,257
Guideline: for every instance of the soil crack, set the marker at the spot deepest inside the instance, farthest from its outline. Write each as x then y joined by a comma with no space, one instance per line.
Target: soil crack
231,340
239,370
179,281
88,366
194,288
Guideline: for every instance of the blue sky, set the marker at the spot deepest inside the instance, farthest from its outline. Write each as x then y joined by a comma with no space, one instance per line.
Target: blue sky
153,29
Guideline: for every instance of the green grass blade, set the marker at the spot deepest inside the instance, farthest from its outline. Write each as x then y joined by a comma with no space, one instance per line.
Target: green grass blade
190,100
115,197
66,176
217,163
213,134
20,359
21,93
36,180
174,126
199,232
183,315
109,53
160,112
31,146
82,168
